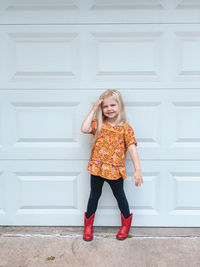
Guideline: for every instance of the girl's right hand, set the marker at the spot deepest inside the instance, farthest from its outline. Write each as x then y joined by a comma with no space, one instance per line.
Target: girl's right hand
96,105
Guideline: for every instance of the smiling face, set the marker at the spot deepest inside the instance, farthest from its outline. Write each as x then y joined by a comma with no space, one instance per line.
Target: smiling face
110,108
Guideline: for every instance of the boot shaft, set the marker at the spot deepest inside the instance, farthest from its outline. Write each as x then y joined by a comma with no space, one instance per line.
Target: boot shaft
88,227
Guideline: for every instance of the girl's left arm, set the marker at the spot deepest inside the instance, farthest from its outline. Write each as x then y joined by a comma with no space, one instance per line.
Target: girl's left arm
137,175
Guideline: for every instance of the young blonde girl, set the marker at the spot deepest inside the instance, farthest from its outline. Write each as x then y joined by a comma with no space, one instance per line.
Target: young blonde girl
112,138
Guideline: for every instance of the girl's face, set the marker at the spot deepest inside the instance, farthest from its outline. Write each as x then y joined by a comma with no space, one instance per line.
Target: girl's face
110,108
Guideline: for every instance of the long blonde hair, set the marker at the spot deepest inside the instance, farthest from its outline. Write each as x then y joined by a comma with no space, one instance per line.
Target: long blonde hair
99,113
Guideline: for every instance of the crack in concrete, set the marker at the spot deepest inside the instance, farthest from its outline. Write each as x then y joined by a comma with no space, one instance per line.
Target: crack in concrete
96,236
73,246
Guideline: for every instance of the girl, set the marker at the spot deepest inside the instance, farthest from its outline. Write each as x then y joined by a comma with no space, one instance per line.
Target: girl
112,137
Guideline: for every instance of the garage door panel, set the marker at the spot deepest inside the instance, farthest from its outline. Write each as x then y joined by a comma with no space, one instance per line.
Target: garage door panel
126,5
166,125
40,55
40,189
41,5
187,68
184,184
184,188
57,57
171,188
145,119
7,193
150,200
21,11
44,56
187,129
143,48
162,199
2,194
183,124
40,125
148,56
187,4
44,125
53,123
141,200
92,11
35,190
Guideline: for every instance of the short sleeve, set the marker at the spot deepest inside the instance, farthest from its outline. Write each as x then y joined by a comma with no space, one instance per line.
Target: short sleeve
129,136
94,126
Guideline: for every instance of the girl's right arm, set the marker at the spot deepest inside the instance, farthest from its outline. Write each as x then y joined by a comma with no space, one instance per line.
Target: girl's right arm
86,125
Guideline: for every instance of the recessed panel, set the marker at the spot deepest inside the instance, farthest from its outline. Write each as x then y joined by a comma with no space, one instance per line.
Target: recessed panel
144,199
2,193
1,125
139,199
99,11
188,4
44,55
126,4
24,5
187,52
189,62
45,122
47,190
121,54
187,123
144,116
186,191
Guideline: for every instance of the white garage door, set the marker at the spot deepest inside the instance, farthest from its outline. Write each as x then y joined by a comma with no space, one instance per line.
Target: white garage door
56,57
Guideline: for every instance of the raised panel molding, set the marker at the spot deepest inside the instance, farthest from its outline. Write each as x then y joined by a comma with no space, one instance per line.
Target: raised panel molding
54,190
20,5
141,201
56,57
127,4
121,55
1,126
2,194
98,11
187,124
148,120
40,124
187,65
185,202
188,4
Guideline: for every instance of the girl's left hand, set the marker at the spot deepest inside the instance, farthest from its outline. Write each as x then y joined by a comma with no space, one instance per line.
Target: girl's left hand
137,176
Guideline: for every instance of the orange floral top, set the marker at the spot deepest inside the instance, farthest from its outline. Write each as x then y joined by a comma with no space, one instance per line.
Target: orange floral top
109,152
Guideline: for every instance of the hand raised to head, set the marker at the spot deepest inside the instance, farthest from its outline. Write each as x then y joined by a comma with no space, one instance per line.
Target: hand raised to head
96,105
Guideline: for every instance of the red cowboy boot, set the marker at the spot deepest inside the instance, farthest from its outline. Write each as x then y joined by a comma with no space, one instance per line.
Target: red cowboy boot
88,227
124,230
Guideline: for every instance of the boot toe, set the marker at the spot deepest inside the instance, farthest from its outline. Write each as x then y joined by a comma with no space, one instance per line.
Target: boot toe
87,237
121,237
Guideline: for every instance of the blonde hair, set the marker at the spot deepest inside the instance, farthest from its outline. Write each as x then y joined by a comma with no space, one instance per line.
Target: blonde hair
99,113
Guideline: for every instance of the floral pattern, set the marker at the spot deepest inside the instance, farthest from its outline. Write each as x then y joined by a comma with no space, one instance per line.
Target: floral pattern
109,152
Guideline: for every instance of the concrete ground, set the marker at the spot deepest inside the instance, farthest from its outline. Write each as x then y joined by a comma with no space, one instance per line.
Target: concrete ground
63,246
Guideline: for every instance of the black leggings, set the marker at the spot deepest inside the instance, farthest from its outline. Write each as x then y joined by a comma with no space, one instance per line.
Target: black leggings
96,183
